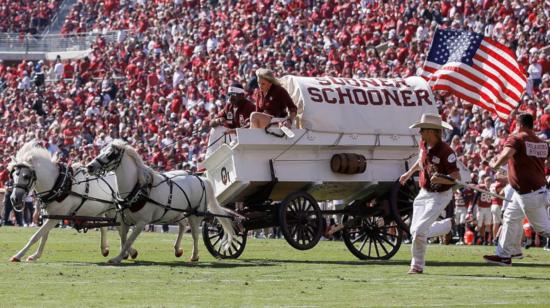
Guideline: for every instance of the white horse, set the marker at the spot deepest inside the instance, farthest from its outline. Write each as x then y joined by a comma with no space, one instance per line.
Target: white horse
151,197
61,192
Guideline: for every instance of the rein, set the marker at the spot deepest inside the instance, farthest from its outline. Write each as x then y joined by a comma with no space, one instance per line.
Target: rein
270,132
61,188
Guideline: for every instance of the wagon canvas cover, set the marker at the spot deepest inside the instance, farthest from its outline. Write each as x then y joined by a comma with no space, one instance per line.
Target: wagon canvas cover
360,106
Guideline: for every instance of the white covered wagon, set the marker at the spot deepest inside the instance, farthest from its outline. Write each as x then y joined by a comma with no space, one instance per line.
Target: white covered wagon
353,144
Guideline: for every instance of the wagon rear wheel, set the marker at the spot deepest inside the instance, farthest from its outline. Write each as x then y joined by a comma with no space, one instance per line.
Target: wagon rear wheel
213,235
301,220
371,237
401,203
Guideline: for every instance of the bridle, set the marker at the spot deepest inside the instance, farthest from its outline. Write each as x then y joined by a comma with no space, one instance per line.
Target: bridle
30,185
113,161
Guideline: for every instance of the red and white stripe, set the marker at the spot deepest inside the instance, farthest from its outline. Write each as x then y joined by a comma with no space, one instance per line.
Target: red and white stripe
494,82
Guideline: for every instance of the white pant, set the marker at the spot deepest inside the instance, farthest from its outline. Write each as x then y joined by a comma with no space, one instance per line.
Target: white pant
497,213
426,209
484,216
460,214
532,205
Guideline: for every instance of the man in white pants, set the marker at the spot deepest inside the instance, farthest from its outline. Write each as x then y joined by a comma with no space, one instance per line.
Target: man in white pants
525,154
435,157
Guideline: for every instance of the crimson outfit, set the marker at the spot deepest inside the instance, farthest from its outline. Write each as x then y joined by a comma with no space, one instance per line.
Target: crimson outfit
483,202
431,200
275,102
235,115
526,176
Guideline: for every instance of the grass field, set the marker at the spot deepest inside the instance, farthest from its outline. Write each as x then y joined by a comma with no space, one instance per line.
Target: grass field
270,273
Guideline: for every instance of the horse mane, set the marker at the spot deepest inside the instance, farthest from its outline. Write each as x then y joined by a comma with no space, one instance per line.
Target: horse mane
145,173
28,152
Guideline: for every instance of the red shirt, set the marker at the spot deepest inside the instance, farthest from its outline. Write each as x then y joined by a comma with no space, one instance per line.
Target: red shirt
545,122
526,167
459,199
236,115
497,188
438,159
275,102
468,195
483,199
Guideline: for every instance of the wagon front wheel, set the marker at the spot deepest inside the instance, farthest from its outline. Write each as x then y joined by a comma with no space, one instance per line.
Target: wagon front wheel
371,237
301,220
401,203
213,237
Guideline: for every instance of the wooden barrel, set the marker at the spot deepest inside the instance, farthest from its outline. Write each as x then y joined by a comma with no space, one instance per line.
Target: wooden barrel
348,163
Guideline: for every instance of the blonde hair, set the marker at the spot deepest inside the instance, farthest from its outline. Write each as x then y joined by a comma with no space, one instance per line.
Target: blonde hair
267,74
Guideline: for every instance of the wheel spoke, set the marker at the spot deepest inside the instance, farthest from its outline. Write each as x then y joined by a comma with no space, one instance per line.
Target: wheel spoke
303,234
217,241
376,249
378,240
364,242
213,236
383,232
303,204
386,240
370,248
359,238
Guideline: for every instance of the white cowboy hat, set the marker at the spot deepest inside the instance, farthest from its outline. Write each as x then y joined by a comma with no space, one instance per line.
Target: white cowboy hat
431,120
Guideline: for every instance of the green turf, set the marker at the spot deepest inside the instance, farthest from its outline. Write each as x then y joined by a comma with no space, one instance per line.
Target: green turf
269,273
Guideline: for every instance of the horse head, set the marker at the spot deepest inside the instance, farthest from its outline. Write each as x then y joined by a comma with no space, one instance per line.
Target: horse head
23,177
23,171
109,159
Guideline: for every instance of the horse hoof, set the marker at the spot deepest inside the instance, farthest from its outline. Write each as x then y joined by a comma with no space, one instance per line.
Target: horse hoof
113,262
15,259
134,254
105,252
31,259
194,259
179,252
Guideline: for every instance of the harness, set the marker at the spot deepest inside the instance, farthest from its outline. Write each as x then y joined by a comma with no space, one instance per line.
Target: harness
139,196
136,199
61,188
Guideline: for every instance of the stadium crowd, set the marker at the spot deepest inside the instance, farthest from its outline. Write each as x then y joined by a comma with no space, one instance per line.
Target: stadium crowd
26,16
164,78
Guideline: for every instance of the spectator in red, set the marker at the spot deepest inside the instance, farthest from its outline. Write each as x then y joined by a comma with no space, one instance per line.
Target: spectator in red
237,113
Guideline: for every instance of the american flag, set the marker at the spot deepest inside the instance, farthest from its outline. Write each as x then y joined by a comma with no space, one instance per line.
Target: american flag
476,69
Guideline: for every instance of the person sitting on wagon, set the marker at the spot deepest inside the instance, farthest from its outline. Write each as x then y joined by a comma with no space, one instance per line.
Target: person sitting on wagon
436,158
273,103
236,114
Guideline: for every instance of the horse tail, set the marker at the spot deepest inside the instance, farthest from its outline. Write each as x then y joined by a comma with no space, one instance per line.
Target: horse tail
215,208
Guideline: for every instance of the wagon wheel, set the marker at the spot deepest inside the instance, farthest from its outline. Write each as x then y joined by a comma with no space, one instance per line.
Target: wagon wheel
301,220
371,237
401,203
213,234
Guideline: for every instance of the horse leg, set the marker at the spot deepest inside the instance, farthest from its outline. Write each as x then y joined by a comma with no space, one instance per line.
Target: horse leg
46,227
123,233
35,256
129,242
132,252
177,245
195,222
104,245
